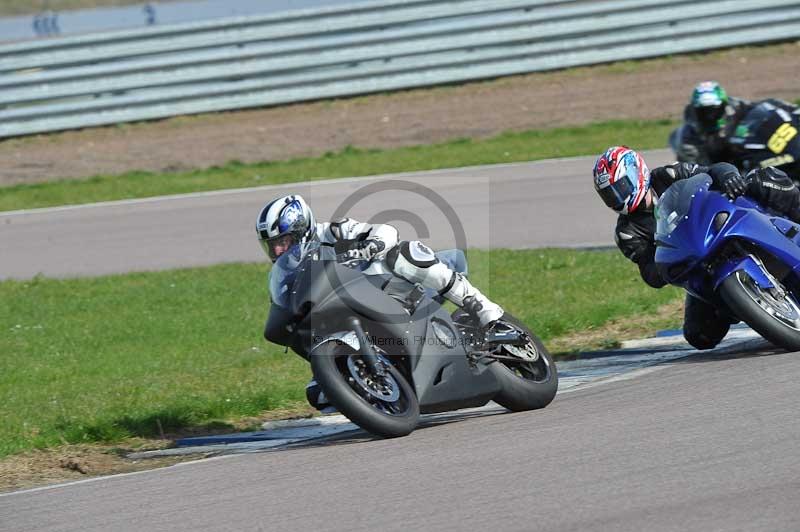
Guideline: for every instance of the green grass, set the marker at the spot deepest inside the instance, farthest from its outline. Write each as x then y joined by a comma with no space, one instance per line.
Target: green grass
105,359
558,292
508,147
102,359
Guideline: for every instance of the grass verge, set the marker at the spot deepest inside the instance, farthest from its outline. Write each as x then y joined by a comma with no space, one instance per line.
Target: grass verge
508,147
141,355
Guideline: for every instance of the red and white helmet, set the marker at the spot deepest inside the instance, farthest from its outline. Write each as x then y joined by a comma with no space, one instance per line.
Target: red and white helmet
622,179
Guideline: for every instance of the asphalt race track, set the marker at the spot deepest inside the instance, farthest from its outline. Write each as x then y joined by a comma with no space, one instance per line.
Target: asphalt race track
547,203
703,443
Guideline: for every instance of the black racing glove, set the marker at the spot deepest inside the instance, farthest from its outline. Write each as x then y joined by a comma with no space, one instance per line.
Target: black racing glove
733,184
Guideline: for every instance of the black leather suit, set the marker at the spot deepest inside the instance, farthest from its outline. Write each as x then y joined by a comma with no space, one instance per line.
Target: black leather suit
713,146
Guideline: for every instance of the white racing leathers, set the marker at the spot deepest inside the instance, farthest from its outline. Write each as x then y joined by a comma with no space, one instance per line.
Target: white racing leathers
413,261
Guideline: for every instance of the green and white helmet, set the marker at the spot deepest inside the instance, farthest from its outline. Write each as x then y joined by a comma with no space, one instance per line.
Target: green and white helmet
709,100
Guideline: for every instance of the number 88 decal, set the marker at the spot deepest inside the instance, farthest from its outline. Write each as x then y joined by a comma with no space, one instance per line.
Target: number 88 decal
781,138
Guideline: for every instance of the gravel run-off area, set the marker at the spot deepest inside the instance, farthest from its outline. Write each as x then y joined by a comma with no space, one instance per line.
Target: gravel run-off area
652,89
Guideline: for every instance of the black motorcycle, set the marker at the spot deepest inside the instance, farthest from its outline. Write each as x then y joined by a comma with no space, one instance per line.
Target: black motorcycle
384,350
766,136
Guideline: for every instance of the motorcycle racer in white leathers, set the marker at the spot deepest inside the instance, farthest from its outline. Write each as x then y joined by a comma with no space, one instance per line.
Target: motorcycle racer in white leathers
288,221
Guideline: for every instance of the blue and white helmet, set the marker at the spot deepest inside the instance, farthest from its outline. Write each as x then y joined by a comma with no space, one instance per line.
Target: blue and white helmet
283,223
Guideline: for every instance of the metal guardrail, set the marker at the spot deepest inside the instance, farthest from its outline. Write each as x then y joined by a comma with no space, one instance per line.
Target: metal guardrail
46,21
353,49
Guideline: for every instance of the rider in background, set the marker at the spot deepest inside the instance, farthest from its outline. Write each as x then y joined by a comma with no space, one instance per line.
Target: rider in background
711,125
628,187
710,119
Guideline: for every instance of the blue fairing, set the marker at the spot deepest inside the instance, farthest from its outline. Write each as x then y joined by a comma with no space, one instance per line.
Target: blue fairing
749,265
696,224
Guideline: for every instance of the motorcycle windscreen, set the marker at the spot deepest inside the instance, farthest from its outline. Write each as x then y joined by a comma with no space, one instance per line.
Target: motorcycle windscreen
674,204
284,271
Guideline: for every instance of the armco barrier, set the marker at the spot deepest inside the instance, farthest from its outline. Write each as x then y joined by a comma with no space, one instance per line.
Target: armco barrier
44,22
352,49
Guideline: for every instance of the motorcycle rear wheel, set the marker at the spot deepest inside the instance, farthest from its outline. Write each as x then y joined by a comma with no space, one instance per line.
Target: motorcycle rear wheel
385,407
526,385
775,315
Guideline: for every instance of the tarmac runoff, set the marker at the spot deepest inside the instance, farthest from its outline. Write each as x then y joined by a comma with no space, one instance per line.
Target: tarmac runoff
633,359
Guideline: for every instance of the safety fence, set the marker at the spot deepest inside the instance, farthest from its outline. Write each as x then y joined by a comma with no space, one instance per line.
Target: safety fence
47,21
352,49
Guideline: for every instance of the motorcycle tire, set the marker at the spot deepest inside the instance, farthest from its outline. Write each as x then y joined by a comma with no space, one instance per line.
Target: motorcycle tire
329,364
750,303
526,388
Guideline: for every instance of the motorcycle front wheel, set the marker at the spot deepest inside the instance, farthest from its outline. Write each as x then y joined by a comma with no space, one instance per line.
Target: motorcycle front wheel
385,405
527,374
772,312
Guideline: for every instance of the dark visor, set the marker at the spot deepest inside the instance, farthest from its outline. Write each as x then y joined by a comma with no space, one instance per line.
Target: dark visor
617,194
709,116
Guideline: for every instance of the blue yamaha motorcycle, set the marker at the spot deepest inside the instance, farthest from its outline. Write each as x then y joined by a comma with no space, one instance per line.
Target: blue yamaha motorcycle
732,254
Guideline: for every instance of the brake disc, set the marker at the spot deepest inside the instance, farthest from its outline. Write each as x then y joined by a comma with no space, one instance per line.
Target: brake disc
383,387
528,352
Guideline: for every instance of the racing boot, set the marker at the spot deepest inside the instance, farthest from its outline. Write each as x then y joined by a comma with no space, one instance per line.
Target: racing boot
460,292
500,332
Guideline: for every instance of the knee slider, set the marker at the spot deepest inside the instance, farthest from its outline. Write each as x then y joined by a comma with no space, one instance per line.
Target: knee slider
705,335
698,340
418,254
409,256
416,262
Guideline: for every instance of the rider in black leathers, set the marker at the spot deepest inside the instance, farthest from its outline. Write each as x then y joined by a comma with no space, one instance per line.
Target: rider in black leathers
635,230
710,130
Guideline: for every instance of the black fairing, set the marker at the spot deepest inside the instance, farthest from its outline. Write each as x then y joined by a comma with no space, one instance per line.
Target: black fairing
278,328
327,294
759,126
